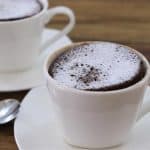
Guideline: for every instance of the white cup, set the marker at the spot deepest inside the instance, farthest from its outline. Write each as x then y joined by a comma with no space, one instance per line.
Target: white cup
20,40
97,119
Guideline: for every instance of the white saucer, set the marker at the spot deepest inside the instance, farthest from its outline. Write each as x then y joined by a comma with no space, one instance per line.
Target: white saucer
34,77
36,127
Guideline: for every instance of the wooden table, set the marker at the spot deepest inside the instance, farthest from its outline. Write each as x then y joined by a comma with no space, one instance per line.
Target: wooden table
123,21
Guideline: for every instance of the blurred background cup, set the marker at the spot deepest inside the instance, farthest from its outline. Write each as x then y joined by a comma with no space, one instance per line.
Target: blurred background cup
20,40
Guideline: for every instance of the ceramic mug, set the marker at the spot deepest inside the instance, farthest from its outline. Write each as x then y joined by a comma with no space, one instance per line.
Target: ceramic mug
97,119
20,40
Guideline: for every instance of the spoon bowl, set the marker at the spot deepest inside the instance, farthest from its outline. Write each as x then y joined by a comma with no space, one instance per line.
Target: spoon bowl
9,109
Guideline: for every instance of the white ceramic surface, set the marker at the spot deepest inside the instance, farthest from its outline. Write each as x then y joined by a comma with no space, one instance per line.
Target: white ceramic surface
20,40
34,77
36,127
91,119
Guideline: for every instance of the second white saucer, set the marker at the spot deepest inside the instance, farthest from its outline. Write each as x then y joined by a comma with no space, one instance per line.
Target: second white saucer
37,128
34,77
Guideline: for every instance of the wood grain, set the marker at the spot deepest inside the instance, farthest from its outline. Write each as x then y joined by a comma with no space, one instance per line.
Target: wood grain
123,21
110,10
113,31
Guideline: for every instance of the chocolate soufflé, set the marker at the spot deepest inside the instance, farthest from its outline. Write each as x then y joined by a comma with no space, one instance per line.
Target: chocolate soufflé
98,66
18,9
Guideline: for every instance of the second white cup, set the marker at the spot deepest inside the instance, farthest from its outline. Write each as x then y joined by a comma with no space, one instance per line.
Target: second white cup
20,40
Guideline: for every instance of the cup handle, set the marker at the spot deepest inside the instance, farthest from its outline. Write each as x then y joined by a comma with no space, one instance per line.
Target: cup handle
49,15
145,108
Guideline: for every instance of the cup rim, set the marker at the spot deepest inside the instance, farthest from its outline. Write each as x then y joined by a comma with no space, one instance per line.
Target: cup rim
45,7
50,58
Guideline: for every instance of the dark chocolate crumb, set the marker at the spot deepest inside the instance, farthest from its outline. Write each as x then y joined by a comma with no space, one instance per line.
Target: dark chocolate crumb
72,75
